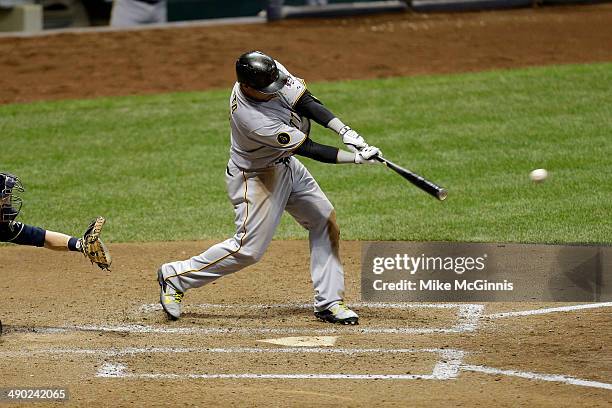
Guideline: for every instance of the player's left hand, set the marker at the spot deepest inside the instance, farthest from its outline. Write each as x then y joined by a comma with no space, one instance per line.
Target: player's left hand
353,140
367,155
93,248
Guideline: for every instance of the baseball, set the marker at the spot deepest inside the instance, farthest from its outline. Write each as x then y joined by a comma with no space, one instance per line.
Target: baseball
538,175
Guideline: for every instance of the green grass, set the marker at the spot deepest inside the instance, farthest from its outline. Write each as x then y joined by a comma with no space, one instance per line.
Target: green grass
154,165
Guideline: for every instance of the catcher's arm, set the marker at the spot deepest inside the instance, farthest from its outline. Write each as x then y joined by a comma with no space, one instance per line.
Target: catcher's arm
93,248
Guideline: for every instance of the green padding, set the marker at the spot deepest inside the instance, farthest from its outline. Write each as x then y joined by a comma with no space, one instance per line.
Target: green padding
181,10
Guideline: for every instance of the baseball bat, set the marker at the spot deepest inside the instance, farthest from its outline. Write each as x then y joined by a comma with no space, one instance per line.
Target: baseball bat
429,187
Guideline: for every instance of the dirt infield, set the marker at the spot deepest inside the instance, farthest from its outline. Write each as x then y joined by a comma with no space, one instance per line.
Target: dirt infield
187,59
103,336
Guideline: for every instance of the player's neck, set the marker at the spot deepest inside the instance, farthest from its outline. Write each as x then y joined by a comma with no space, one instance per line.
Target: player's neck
254,94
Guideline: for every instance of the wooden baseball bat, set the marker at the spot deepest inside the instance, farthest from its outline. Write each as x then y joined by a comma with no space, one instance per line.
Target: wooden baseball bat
429,187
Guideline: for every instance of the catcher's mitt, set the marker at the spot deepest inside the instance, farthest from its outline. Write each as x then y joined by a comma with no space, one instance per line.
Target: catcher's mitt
93,248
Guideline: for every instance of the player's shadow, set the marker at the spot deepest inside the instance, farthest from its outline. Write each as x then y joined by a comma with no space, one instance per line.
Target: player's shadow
258,314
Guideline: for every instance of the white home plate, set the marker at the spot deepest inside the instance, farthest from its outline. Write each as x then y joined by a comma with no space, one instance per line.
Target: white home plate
318,341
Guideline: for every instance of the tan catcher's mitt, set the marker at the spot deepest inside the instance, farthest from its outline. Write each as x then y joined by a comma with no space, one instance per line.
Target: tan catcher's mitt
93,248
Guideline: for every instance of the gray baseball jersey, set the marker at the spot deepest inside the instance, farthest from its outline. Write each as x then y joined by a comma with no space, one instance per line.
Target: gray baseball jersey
263,180
264,132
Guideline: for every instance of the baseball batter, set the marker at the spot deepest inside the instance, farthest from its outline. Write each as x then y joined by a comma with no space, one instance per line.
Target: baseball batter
270,112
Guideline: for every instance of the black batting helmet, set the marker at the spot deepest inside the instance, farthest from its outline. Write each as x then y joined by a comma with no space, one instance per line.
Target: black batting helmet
260,72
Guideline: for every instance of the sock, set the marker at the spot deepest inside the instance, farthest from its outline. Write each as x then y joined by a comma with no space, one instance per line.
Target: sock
74,244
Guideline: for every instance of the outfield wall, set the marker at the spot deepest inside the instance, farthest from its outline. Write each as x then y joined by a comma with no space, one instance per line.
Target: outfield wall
471,5
182,10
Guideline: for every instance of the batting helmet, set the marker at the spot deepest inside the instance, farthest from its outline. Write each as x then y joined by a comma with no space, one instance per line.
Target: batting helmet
10,202
260,72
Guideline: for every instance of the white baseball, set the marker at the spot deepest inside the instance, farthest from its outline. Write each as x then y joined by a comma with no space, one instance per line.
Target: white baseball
538,175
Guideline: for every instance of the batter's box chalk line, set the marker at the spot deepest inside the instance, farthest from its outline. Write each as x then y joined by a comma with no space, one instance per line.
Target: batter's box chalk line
468,319
468,316
565,379
547,310
445,369
448,367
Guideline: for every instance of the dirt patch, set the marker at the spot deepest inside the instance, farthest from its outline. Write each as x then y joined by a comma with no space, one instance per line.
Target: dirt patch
189,59
103,336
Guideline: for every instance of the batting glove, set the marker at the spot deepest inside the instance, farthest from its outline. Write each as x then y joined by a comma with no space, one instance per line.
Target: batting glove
367,155
353,140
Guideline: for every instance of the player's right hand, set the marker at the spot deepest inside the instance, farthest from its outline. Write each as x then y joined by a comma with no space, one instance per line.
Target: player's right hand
353,140
367,154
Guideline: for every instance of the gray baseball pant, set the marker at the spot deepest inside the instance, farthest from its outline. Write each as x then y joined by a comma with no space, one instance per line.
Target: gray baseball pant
259,198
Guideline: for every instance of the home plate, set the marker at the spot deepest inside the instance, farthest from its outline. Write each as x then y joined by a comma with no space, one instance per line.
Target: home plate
318,341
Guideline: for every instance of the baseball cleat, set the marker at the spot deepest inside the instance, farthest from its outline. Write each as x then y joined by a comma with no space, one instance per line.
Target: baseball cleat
338,313
169,297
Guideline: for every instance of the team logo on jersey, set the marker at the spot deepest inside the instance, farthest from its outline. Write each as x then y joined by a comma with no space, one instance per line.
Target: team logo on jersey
283,138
